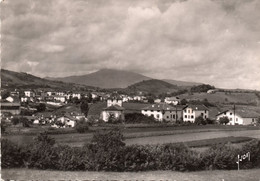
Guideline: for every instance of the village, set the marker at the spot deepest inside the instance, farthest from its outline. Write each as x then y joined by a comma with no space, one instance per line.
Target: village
61,109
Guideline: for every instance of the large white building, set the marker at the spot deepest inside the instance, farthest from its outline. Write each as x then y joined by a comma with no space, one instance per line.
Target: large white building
163,111
239,117
191,112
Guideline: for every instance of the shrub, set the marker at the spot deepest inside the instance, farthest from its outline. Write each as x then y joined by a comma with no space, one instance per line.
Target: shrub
138,118
12,154
253,147
15,120
104,151
42,154
221,157
82,126
224,120
200,120
69,158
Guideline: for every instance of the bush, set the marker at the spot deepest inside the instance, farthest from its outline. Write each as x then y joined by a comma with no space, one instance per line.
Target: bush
108,152
223,120
200,121
12,154
70,158
104,151
82,126
42,154
138,118
15,120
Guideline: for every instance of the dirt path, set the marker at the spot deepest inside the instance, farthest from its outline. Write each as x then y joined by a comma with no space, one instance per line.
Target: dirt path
216,175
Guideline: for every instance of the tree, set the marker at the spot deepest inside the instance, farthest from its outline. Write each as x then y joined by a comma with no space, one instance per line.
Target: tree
82,126
25,122
183,102
150,100
5,95
224,120
15,120
41,107
84,107
200,120
3,127
109,139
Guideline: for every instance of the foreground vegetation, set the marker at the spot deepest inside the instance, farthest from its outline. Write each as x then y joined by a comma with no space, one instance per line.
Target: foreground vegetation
108,152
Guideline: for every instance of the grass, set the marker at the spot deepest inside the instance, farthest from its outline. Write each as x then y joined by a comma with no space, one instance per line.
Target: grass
152,135
215,175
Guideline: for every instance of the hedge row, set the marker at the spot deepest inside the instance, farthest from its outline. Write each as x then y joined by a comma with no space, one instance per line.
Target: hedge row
108,152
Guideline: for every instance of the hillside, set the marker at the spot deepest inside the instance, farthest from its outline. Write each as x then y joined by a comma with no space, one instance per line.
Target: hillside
106,78
11,79
181,83
152,86
224,98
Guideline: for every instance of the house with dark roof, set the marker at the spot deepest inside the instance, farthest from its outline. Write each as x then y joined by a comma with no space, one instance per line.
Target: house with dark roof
191,112
63,121
239,116
163,111
114,109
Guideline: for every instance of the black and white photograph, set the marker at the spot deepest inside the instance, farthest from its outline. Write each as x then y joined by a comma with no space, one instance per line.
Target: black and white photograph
130,90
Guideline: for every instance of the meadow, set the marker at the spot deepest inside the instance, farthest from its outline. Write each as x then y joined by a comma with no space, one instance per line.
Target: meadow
151,135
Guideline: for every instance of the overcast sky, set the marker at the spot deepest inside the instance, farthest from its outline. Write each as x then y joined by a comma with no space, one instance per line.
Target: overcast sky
209,41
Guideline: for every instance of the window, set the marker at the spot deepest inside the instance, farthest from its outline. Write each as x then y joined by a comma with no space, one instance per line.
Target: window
173,116
185,116
167,117
158,115
205,117
205,111
230,119
202,114
231,113
192,116
158,110
185,110
188,111
189,116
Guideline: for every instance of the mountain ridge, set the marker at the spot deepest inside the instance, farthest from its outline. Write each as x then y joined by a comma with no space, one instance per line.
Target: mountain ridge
113,78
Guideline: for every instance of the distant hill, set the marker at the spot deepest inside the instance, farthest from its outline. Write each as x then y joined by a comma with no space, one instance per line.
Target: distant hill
152,86
106,78
11,79
181,83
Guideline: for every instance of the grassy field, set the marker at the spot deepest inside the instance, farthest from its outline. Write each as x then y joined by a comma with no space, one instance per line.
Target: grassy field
154,135
221,97
215,175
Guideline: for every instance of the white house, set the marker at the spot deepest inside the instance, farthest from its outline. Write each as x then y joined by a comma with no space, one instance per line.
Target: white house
76,95
157,100
115,111
191,112
163,111
114,101
60,98
172,100
29,93
66,120
114,108
239,117
10,99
